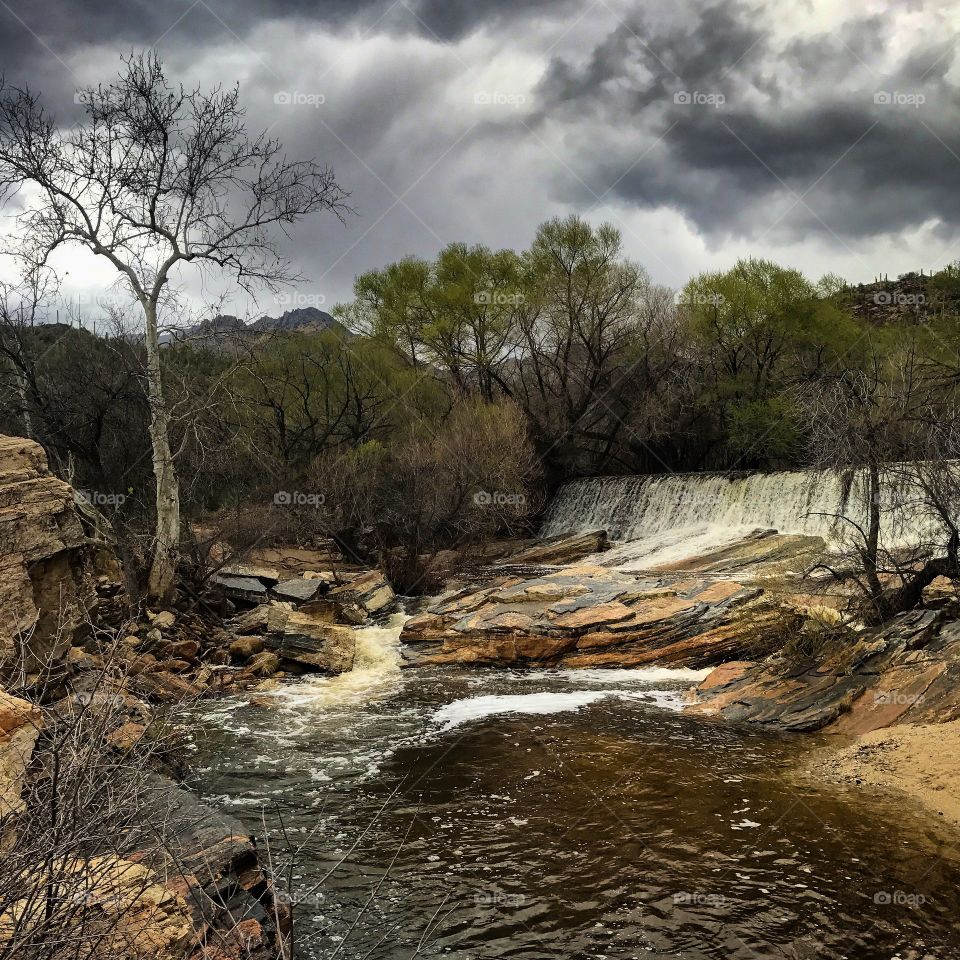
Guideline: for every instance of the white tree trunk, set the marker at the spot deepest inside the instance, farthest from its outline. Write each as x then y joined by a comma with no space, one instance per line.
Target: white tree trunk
167,536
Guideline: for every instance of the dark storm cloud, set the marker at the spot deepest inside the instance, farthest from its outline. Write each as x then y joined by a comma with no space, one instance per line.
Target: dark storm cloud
770,122
46,29
39,38
452,19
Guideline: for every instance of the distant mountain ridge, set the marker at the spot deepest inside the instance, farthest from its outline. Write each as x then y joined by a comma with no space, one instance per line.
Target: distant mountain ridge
301,319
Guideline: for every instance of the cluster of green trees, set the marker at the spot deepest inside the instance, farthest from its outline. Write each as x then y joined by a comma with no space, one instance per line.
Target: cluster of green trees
614,374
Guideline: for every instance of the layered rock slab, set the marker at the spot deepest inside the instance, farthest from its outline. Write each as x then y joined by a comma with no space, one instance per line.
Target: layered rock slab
591,616
906,672
51,554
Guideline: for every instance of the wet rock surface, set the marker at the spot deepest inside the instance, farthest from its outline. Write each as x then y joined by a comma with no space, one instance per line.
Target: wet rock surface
590,616
906,672
565,548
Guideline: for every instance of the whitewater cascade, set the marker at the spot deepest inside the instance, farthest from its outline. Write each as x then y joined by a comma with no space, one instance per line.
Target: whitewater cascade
375,674
669,517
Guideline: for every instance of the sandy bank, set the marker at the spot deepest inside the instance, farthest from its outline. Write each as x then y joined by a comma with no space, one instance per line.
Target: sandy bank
922,761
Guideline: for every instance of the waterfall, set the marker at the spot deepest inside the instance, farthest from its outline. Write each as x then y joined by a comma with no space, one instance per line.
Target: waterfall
669,517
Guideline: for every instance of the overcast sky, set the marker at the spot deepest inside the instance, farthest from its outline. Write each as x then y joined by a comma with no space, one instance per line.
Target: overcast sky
824,135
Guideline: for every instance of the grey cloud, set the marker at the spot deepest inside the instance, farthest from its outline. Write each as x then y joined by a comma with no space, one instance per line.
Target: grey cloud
733,167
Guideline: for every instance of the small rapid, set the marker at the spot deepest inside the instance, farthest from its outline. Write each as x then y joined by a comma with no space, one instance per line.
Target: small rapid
375,673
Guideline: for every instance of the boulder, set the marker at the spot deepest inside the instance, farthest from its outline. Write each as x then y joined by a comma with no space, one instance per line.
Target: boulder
353,614
277,617
566,548
299,589
174,665
163,686
125,908
163,620
369,590
182,650
52,551
244,589
243,648
126,736
250,621
324,611
264,664
314,642
20,724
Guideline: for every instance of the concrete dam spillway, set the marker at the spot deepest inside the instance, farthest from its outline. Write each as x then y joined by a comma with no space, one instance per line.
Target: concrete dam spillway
664,518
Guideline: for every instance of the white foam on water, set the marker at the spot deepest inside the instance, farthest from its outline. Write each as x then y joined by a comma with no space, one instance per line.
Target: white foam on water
480,708
624,675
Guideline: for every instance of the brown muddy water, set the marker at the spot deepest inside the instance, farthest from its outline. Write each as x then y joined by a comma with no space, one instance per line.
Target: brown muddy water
498,813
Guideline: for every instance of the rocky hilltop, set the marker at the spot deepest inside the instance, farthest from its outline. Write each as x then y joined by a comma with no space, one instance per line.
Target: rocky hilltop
910,298
225,326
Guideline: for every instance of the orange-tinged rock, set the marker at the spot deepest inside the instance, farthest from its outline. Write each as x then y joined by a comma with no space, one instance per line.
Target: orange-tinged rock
20,724
542,647
897,692
659,608
718,591
593,616
510,620
126,736
724,674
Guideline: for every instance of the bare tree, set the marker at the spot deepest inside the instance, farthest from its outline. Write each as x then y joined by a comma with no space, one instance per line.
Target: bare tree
19,307
154,177
889,428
